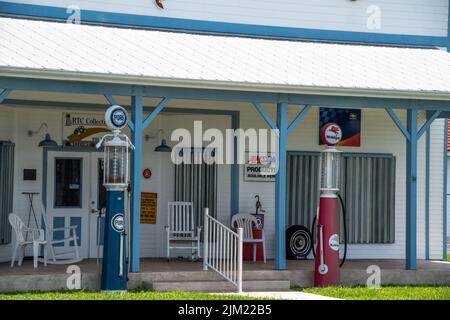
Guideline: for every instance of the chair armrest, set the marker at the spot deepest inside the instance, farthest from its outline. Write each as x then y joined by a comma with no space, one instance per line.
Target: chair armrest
62,228
40,233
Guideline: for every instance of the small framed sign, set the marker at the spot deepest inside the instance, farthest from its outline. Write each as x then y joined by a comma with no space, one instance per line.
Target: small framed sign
260,167
29,174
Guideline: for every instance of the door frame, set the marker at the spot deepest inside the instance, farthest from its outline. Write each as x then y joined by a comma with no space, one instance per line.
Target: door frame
85,166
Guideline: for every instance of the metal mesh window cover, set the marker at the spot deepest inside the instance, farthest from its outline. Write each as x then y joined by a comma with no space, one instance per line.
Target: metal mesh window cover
367,187
197,182
6,188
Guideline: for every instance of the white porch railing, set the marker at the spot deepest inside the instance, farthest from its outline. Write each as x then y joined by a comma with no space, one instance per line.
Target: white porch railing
222,250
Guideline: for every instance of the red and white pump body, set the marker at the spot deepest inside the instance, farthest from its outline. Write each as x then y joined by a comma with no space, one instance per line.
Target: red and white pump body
326,268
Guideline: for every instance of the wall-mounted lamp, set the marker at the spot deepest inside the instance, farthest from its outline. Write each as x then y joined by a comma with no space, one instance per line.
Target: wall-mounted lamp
163,147
47,142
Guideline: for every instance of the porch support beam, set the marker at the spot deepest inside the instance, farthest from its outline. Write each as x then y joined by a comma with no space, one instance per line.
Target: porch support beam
298,118
280,188
398,122
428,123
155,112
113,102
136,114
411,191
336,100
265,115
5,93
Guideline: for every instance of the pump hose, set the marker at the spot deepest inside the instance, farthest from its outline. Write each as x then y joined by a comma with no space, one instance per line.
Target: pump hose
344,214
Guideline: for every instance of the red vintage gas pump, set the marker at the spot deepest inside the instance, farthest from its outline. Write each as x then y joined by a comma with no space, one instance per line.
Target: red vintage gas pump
326,270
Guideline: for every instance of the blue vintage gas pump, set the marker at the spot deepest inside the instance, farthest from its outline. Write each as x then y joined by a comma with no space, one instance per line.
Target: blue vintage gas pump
115,179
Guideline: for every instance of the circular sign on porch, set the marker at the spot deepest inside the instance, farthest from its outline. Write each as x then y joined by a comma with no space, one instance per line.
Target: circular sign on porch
117,222
331,133
147,173
116,117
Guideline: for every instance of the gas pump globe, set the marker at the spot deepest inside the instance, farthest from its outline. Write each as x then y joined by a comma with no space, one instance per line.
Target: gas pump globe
115,179
116,161
326,269
330,160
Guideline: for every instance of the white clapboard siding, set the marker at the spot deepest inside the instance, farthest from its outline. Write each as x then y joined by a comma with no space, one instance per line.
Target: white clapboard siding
411,17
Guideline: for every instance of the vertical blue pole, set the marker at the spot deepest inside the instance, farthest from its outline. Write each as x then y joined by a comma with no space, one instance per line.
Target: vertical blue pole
280,189
444,211
137,114
427,195
235,168
411,192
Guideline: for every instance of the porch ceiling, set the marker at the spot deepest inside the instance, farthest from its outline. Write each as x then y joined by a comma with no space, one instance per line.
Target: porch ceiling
61,51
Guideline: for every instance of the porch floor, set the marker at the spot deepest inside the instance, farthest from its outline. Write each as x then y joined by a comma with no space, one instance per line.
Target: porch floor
159,272
179,265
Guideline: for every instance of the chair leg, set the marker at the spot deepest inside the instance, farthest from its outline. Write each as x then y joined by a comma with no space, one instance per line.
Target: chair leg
75,244
45,254
264,250
254,252
35,254
14,253
21,256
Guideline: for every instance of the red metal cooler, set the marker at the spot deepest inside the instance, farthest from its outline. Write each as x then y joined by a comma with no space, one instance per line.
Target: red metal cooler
257,232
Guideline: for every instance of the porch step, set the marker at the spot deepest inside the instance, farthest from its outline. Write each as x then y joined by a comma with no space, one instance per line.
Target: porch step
220,286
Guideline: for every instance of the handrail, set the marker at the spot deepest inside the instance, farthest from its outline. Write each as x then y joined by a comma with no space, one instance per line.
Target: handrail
222,250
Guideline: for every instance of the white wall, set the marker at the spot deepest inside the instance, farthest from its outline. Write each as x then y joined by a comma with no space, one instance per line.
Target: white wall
418,17
379,134
437,181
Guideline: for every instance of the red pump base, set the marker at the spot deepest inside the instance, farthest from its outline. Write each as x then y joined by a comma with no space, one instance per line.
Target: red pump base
326,268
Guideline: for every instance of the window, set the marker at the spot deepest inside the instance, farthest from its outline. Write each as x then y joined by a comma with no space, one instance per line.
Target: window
367,187
197,183
68,182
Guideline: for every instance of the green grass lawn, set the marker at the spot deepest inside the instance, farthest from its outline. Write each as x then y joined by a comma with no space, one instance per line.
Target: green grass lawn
130,295
384,293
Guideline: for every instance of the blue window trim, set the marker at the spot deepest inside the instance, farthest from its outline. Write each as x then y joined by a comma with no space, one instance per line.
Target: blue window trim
109,18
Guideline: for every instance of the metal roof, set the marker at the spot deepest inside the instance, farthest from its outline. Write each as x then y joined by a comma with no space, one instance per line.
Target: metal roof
56,50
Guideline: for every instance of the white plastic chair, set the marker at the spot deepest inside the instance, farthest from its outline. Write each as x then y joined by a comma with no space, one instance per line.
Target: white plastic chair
181,228
20,231
247,221
70,234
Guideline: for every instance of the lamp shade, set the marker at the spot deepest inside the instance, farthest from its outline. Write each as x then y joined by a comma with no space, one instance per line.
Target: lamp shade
163,147
47,142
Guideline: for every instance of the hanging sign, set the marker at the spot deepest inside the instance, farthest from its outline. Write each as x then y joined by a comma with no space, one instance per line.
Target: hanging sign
149,202
348,120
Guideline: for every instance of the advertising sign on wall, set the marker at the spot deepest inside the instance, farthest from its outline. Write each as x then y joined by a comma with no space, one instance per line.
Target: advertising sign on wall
260,167
349,120
83,129
149,202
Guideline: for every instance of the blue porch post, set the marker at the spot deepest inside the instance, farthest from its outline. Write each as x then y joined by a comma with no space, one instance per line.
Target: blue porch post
280,188
411,191
136,113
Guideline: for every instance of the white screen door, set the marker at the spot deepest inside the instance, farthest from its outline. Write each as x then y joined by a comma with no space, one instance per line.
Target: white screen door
74,196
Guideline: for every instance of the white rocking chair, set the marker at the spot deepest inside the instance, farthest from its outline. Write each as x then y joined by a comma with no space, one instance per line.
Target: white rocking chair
181,228
71,256
37,239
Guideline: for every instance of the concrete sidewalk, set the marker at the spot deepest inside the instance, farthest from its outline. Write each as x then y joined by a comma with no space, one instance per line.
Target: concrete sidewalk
284,295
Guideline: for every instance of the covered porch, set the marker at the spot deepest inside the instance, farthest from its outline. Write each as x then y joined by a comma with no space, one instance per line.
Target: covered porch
266,75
